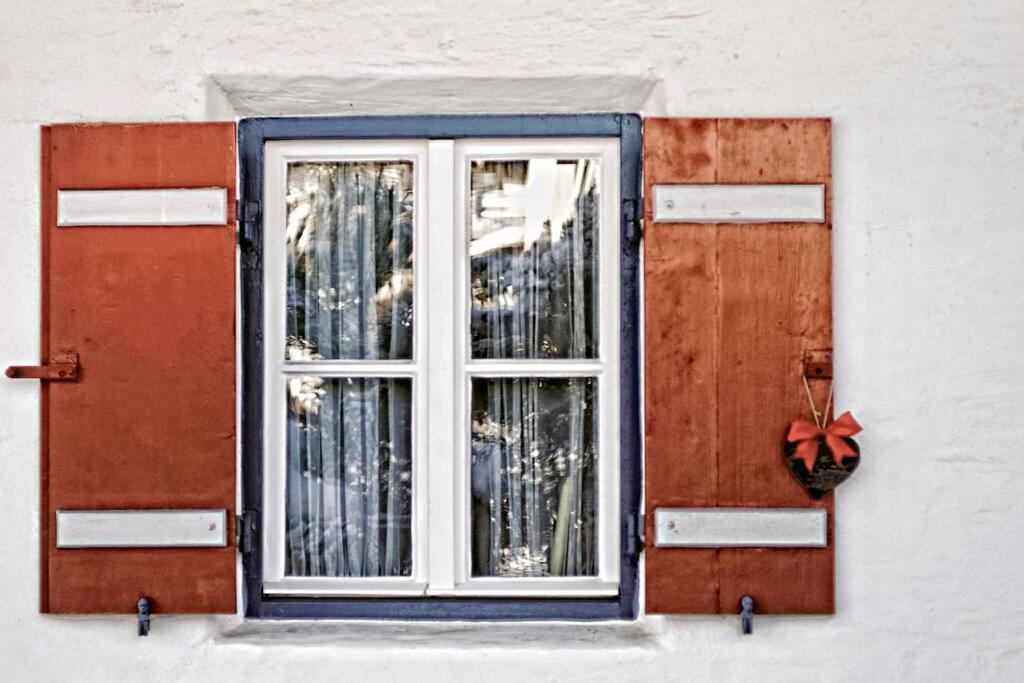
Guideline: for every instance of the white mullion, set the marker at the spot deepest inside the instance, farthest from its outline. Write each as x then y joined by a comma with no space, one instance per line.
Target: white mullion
462,421
440,319
274,416
609,456
421,413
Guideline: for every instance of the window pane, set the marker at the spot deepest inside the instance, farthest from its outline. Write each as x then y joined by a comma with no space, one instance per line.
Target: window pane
533,477
533,254
349,254
349,478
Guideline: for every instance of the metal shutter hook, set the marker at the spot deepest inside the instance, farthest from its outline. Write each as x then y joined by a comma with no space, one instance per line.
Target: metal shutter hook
747,614
144,609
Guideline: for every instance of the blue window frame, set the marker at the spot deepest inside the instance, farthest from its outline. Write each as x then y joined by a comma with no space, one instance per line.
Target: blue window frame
253,133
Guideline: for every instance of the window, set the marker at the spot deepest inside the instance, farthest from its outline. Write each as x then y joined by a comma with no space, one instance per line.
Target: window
441,381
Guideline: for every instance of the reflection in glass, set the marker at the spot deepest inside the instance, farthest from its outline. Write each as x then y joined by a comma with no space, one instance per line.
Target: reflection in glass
349,253
533,477
533,258
349,477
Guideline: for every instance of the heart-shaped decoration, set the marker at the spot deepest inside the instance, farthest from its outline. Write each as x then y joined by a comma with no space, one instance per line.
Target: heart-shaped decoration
825,474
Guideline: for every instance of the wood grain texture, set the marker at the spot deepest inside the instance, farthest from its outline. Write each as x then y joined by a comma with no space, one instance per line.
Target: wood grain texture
681,366
681,435
678,151
151,421
723,361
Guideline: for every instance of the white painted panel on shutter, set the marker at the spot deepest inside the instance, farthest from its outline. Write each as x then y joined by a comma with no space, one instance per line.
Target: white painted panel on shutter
200,206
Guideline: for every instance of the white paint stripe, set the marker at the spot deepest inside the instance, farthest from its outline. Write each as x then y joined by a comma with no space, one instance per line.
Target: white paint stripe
201,206
739,203
141,528
740,527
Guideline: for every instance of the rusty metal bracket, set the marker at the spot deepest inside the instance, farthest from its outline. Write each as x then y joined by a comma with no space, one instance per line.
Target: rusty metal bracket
818,364
62,367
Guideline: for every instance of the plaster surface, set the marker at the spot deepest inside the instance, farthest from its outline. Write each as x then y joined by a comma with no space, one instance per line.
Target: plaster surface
928,111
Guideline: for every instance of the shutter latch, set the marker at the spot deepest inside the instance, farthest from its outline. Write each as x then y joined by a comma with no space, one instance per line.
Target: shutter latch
62,367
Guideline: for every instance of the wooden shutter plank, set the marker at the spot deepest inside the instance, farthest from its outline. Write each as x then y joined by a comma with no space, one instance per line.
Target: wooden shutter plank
763,340
681,405
681,315
47,211
768,301
768,337
150,424
776,302
774,151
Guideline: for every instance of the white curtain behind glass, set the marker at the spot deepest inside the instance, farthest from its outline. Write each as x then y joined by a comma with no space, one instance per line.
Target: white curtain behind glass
349,260
533,284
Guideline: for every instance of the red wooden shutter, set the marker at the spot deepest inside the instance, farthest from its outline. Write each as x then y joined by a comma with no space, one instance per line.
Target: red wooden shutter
150,422
731,309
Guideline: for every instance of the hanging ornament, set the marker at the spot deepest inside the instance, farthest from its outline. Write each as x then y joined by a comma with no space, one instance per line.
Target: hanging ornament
821,455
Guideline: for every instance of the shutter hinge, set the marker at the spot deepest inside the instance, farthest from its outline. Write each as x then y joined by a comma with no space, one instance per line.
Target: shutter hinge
245,532
248,214
631,221
635,533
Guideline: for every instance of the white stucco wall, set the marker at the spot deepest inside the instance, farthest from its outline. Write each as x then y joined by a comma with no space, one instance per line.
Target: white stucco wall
928,107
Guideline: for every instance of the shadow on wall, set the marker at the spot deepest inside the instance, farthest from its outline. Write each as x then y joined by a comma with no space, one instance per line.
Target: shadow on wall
273,95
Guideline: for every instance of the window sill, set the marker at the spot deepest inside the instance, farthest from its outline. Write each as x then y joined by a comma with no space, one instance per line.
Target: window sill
642,634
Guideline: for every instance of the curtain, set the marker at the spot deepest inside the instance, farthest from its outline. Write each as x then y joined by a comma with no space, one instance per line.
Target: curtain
349,246
534,269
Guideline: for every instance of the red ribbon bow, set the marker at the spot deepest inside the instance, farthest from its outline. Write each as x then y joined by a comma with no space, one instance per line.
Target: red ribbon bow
807,435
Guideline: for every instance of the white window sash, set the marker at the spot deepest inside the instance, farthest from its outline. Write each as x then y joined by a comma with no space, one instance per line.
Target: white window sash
605,369
441,369
277,156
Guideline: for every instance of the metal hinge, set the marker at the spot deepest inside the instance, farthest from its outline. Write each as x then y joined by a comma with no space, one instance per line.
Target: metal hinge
248,213
635,533
631,220
245,532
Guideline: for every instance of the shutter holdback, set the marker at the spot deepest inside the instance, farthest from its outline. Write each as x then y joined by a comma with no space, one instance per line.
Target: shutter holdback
747,615
144,610
62,367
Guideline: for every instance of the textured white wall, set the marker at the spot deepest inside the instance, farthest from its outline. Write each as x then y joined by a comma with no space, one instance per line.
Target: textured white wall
928,109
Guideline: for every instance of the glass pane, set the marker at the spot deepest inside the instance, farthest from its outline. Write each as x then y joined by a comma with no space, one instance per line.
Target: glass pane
349,254
349,478
534,477
533,258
